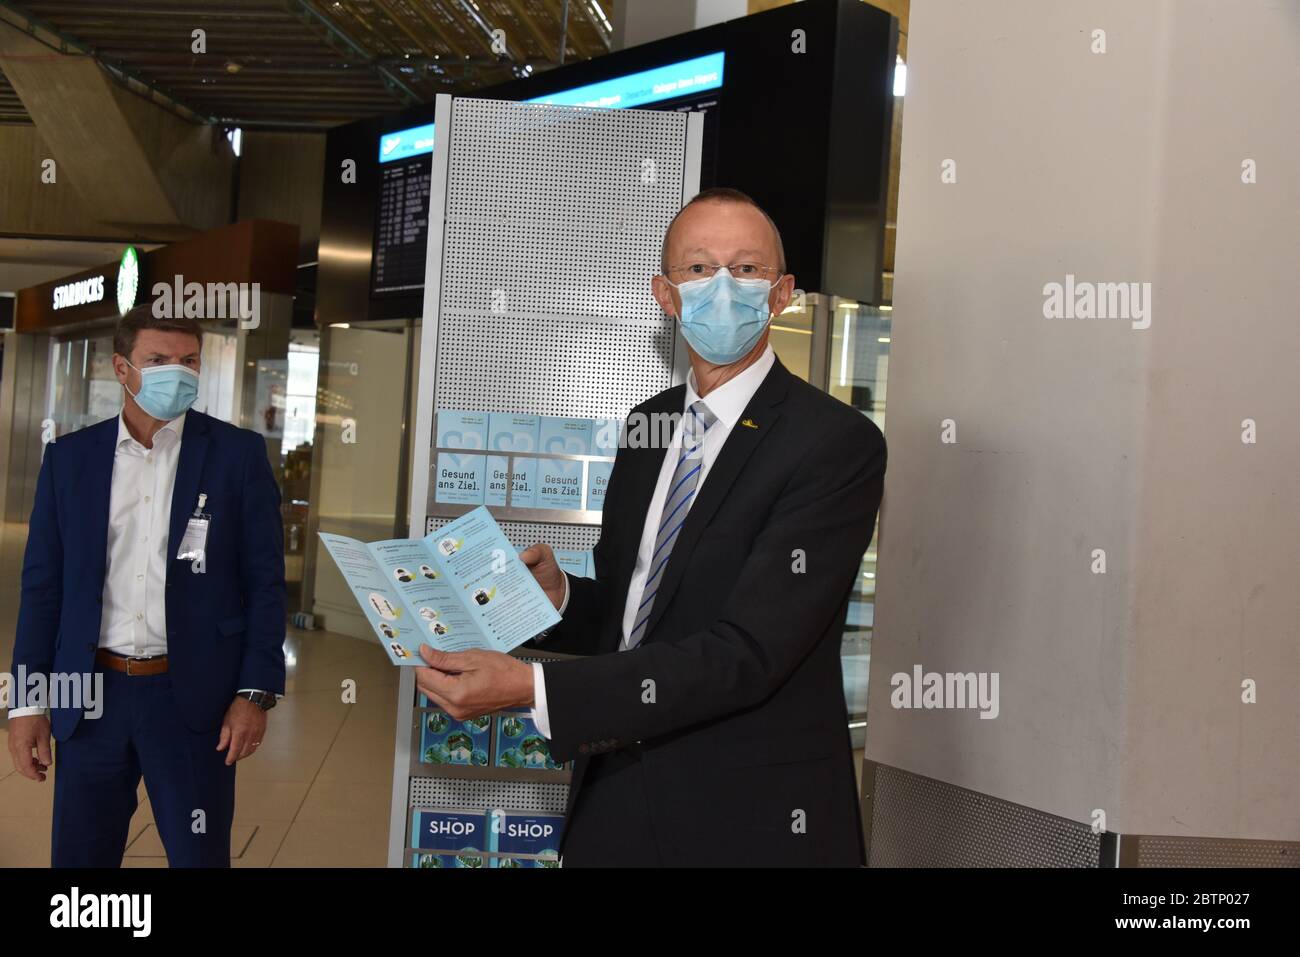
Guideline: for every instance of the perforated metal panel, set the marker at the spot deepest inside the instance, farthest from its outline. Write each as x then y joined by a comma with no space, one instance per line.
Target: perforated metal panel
578,538
584,195
512,795
915,821
1207,852
553,220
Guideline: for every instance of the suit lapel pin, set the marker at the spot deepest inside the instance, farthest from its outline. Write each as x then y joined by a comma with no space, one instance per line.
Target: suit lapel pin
749,423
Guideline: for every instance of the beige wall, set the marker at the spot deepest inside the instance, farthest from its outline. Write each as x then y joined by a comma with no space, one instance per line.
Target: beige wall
28,206
1122,691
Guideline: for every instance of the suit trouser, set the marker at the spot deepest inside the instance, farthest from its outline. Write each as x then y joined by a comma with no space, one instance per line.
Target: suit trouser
610,825
97,772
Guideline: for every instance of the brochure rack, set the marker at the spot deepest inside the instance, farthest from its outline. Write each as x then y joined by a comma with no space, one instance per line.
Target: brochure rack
544,230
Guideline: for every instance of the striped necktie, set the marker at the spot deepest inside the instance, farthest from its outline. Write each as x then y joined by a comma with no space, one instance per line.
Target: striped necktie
681,492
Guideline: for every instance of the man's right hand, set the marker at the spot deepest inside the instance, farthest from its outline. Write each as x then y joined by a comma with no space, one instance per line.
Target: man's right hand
540,560
25,733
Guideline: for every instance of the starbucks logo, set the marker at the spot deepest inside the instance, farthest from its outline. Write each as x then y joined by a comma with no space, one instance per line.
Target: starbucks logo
128,280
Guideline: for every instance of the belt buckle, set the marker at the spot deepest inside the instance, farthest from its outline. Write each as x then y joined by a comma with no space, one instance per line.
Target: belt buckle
130,663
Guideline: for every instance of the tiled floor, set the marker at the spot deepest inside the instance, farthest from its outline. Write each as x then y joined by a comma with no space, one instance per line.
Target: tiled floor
315,795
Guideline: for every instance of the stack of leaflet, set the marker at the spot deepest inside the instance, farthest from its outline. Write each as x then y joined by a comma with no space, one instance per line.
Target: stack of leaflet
448,837
506,740
549,483
577,564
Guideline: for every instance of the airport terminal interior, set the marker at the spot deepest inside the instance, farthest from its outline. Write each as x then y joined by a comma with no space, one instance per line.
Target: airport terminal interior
258,114
412,230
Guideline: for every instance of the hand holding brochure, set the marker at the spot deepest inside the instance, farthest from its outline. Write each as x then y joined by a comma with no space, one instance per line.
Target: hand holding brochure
458,588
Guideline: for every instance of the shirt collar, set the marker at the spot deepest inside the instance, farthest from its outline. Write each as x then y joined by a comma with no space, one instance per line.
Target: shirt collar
728,400
176,428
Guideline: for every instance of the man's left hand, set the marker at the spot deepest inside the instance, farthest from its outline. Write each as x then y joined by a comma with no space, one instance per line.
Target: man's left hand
242,730
467,684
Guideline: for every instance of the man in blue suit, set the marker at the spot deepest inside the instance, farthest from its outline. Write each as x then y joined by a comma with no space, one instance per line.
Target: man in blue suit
154,565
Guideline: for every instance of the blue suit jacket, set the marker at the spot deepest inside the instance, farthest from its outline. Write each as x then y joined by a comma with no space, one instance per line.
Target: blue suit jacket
225,626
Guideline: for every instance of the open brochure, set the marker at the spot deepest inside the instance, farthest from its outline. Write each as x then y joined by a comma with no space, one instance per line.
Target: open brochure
460,587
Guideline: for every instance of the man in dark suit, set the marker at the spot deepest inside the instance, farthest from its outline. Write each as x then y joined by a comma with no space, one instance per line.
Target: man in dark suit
154,565
707,719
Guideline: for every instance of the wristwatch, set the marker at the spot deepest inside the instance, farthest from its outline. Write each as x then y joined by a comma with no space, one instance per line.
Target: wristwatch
263,699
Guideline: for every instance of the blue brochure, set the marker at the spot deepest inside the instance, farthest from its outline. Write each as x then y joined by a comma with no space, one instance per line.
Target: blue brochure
519,745
462,586
459,479
520,833
512,432
597,482
444,740
574,563
559,481
605,436
446,838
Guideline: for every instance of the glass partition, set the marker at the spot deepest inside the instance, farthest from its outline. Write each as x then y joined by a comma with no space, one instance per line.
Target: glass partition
82,387
792,335
858,371
361,457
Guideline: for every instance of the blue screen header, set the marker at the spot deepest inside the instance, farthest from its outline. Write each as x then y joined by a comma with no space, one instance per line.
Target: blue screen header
404,144
649,86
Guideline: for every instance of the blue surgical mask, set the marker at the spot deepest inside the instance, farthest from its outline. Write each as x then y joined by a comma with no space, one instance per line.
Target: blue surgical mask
166,391
724,317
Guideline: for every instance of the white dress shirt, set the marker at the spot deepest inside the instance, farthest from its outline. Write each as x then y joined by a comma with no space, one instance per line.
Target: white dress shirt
727,402
134,621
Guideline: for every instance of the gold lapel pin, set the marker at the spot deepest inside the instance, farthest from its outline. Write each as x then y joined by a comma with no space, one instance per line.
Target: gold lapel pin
749,423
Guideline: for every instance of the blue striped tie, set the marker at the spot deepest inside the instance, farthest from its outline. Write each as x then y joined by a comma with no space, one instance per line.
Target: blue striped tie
681,492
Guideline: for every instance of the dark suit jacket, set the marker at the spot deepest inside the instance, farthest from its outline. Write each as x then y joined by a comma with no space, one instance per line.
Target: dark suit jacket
225,627
747,731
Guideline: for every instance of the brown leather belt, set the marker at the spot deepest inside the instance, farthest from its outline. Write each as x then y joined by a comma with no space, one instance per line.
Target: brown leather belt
157,665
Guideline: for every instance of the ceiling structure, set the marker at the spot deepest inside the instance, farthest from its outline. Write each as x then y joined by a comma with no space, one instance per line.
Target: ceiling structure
286,64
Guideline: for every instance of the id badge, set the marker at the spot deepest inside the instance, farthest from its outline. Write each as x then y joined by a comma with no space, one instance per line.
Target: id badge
195,539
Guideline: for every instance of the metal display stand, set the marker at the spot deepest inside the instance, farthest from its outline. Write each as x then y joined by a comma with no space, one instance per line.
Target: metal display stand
544,230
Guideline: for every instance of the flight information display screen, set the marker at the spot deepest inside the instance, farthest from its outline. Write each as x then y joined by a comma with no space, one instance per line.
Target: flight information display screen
402,211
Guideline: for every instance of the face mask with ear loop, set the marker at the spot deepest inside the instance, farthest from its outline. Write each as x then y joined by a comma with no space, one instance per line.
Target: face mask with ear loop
165,391
723,317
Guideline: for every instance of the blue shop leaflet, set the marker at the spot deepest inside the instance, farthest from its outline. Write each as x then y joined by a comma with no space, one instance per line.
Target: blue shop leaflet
517,832
460,587
511,432
448,838
459,479
519,745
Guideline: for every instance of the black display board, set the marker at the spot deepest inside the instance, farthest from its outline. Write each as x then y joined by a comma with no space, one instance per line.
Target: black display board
401,225
802,123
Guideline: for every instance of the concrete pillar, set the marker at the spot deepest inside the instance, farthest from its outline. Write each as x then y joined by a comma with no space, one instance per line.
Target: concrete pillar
1150,144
